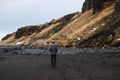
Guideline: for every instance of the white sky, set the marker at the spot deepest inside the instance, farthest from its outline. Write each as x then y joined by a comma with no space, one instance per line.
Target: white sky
18,13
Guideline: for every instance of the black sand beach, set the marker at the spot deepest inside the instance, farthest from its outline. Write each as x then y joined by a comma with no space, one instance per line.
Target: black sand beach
105,66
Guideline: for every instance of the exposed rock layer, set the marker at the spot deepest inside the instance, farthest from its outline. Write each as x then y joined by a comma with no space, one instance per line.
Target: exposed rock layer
97,5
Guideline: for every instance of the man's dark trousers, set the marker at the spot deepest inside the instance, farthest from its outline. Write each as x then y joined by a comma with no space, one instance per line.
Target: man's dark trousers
53,60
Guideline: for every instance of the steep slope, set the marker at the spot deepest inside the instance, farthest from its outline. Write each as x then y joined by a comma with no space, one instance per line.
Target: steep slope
32,34
101,29
84,27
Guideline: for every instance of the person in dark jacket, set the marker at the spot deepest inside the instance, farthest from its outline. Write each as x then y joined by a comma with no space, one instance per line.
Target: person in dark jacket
53,51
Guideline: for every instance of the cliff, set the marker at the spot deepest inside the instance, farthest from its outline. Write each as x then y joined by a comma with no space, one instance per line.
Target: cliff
97,26
97,5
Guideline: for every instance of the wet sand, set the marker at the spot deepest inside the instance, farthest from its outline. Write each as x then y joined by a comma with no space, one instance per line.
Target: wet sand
104,66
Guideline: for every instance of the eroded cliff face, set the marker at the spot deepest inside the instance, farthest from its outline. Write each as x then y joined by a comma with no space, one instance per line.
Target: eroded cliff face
97,26
108,36
97,5
29,30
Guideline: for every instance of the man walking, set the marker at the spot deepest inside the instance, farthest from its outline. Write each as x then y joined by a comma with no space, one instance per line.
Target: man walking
53,50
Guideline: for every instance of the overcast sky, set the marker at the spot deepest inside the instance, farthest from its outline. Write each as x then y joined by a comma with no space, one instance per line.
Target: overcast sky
18,13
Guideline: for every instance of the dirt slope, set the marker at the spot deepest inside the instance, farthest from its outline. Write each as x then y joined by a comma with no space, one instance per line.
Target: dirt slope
76,29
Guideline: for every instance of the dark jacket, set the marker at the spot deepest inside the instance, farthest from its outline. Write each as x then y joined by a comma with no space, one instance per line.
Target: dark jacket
53,49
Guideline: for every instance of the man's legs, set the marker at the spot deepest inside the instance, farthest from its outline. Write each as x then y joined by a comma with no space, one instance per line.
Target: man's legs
53,60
